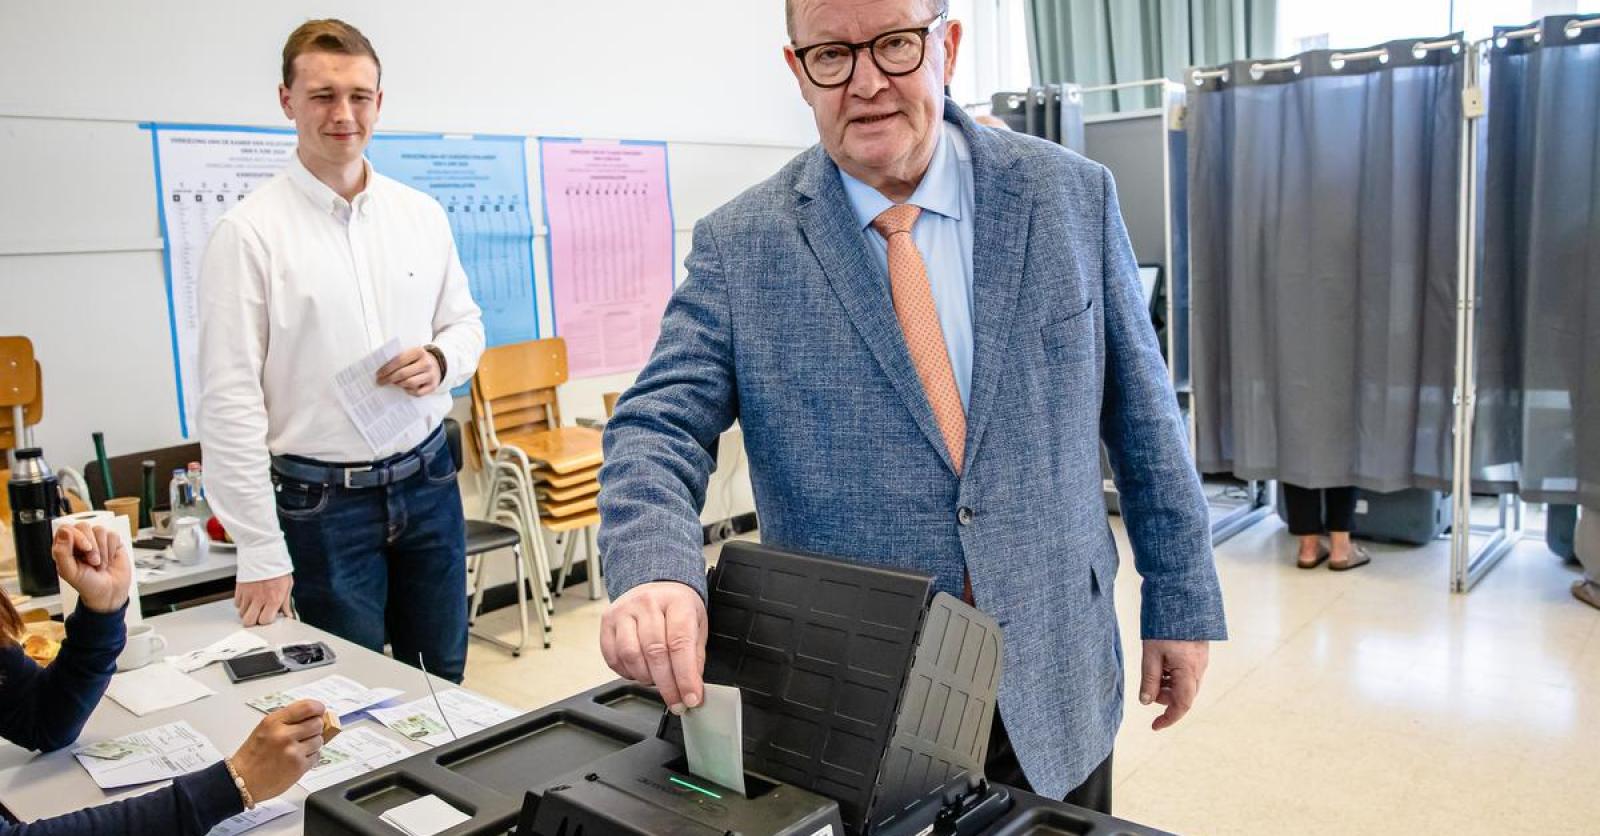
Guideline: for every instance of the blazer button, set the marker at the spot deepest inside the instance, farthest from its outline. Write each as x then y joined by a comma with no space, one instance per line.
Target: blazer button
964,515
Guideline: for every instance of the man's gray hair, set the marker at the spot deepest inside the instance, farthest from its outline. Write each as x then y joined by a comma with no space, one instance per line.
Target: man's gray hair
939,7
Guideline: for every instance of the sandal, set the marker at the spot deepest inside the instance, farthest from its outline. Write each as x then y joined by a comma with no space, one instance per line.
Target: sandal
1358,557
1322,556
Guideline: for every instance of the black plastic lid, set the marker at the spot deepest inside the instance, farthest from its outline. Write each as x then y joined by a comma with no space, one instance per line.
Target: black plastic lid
29,453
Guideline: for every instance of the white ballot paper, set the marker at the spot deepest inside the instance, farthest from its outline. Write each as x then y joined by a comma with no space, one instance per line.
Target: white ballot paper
251,819
355,752
155,755
426,816
153,687
713,737
236,644
465,711
342,695
380,413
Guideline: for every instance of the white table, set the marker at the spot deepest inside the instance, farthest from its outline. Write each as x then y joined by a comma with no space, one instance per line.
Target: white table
219,562
34,786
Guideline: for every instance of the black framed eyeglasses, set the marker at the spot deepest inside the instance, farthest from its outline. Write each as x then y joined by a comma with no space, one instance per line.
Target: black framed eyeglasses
897,52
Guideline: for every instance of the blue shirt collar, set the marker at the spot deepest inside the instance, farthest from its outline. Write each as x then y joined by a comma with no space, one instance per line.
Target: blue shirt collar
939,192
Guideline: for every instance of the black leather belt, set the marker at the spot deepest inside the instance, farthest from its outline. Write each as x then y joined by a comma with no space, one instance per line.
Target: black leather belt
376,474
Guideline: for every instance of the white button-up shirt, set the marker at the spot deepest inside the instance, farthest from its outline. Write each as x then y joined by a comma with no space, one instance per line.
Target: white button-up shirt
297,284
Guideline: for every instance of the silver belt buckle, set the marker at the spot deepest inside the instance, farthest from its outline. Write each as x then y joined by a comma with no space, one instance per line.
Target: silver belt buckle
350,470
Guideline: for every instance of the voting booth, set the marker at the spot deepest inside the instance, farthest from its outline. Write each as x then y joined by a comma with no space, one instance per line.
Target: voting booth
867,703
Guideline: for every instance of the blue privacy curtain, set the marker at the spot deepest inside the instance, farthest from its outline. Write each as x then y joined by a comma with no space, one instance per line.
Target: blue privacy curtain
1322,215
1537,427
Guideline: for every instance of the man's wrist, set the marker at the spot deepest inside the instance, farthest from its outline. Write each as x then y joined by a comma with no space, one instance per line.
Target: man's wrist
438,356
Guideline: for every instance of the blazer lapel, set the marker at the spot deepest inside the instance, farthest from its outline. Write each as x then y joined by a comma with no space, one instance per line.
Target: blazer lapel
829,227
1003,210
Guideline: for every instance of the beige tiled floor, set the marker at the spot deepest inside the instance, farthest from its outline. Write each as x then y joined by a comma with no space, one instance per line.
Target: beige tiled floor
1363,702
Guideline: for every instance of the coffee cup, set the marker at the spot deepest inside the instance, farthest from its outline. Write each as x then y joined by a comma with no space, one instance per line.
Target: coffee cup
142,648
126,506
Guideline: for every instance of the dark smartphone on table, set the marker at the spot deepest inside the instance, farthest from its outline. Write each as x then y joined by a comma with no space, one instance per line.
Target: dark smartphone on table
254,666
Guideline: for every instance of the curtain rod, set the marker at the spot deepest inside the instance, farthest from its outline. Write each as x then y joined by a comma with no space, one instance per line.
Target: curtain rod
1339,59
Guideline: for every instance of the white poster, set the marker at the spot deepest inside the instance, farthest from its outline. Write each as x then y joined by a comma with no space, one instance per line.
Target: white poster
201,172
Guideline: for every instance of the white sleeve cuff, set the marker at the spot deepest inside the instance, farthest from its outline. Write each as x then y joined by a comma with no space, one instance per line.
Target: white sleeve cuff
264,562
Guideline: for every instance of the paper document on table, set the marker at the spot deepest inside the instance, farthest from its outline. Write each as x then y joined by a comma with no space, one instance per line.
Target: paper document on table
355,752
341,695
713,737
426,816
264,812
421,721
153,687
155,755
238,643
381,413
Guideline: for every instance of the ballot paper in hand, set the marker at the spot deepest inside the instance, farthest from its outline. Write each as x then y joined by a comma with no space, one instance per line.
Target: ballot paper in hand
341,695
155,755
153,687
426,816
236,644
381,413
713,737
355,752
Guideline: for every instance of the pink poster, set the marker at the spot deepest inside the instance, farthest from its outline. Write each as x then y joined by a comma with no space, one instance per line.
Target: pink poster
611,249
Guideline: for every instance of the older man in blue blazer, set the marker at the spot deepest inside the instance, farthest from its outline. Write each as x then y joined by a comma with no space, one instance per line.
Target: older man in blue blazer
925,329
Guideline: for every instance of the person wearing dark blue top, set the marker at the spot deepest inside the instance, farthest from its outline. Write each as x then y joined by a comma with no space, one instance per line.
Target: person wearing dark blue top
46,708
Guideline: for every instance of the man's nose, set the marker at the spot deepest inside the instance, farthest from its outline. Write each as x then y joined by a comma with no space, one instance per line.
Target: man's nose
867,79
342,112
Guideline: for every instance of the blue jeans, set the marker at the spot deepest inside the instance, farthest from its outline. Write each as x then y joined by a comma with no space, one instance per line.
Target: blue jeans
384,562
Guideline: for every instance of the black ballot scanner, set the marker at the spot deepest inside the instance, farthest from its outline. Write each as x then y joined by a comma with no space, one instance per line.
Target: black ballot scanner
867,699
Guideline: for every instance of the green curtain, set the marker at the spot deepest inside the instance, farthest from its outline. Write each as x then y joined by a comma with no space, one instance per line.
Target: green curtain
1092,42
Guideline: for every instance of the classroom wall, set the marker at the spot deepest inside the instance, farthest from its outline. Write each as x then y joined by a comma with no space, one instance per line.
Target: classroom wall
80,252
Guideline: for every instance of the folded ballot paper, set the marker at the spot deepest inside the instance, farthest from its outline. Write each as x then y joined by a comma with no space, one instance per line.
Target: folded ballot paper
713,737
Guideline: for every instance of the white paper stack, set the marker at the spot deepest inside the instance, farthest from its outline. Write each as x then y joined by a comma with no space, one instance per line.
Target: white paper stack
426,816
155,755
341,695
154,687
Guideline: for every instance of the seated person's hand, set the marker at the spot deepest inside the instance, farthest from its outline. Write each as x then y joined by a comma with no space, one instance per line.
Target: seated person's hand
283,747
656,634
93,561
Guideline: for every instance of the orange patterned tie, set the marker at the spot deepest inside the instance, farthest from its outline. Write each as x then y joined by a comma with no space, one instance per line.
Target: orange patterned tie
919,319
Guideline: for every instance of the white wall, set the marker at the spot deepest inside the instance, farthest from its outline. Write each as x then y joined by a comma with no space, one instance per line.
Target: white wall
80,262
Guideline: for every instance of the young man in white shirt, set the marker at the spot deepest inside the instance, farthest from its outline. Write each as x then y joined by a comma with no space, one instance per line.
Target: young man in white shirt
316,269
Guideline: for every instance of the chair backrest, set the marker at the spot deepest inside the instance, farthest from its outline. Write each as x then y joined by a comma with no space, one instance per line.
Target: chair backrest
126,472
609,400
19,376
452,439
32,411
514,389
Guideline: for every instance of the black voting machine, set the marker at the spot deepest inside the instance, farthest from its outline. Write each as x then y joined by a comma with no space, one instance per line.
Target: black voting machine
868,701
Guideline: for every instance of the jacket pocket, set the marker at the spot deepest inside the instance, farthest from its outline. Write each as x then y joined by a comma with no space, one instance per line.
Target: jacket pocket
1070,340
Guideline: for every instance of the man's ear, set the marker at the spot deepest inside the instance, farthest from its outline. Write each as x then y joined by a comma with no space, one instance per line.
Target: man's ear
952,43
799,72
283,102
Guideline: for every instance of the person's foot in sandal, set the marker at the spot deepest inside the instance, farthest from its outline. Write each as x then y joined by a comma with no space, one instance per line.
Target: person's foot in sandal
1347,555
1312,552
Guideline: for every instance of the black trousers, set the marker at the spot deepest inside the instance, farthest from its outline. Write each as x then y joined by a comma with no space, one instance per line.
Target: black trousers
1313,511
1001,767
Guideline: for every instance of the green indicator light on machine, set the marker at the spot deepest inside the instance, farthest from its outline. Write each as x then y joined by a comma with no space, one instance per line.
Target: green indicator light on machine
682,783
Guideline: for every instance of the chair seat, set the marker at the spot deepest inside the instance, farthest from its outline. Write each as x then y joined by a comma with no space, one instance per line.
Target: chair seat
560,524
487,536
562,450
567,509
544,476
552,494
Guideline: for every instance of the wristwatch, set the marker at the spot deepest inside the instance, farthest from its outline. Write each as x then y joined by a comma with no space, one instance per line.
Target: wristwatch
437,355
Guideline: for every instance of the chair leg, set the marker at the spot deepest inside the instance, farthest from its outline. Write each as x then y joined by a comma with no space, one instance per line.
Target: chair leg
568,551
595,589
477,588
522,602
544,614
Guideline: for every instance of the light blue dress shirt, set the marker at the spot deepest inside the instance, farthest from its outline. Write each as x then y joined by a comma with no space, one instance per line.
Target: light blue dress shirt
943,235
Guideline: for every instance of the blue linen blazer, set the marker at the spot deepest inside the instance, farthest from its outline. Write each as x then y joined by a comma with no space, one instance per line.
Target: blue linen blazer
785,323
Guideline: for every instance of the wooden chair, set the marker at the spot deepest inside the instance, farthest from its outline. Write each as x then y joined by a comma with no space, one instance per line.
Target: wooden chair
20,389
518,419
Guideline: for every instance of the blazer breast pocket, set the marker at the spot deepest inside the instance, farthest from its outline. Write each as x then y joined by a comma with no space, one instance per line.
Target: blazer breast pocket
1071,340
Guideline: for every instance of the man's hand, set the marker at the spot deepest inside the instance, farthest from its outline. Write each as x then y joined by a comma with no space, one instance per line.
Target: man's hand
93,561
415,370
259,602
1172,674
656,634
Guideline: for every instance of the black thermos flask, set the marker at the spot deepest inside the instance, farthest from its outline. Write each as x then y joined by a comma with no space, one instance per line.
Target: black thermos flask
35,500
